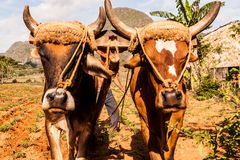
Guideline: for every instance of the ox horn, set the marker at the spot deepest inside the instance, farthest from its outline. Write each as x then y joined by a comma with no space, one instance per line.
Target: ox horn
98,25
207,20
115,21
28,20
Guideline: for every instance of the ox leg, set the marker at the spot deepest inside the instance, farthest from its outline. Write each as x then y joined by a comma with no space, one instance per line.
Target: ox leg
151,141
53,134
71,143
177,121
82,144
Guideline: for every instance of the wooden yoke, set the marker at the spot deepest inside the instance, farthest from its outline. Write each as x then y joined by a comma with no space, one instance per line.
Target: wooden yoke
110,45
118,41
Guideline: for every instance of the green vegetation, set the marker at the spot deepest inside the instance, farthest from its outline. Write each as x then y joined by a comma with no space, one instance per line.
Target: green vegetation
10,68
224,141
7,65
208,88
128,122
33,128
14,120
202,48
218,49
19,155
236,29
40,115
188,14
5,127
26,143
227,138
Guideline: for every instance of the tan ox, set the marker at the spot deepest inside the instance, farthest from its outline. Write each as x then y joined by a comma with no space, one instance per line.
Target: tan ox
161,51
69,98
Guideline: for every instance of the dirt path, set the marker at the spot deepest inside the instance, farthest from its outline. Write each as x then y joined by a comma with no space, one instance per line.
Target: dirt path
23,136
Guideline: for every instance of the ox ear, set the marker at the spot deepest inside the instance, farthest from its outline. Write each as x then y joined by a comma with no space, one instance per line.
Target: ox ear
94,67
193,57
135,61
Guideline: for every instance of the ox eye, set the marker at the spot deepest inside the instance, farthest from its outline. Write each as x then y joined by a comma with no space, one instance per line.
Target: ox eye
40,52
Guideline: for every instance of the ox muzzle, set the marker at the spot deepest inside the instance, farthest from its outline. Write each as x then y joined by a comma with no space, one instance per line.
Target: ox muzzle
58,100
171,100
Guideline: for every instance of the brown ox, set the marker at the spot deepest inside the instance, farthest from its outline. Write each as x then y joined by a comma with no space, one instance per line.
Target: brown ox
161,51
69,98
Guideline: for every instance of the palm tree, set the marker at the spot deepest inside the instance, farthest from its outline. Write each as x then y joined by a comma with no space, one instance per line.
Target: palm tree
188,14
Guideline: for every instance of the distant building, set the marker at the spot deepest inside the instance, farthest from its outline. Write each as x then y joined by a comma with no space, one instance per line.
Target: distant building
224,52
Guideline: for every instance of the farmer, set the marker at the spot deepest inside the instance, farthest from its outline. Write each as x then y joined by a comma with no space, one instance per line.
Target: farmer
111,104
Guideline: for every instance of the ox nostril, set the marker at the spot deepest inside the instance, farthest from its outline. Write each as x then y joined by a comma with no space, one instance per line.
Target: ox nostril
164,96
178,95
50,97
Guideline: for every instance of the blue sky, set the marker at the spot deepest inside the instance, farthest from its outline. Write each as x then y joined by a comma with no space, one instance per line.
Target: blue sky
12,28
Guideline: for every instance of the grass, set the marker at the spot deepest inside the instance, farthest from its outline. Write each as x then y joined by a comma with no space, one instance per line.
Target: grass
14,120
33,128
26,143
131,125
5,127
19,155
40,115
16,95
7,107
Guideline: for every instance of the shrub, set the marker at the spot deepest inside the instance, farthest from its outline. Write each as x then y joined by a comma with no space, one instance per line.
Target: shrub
5,127
19,155
14,120
28,81
26,143
14,81
208,88
226,141
33,128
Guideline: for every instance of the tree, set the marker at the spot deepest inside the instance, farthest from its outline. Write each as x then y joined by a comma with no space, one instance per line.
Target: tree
188,14
6,66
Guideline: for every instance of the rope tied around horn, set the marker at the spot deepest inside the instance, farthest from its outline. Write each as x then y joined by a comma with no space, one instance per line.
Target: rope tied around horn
81,45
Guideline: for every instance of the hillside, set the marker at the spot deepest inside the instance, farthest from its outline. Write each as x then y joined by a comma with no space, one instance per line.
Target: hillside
131,17
19,51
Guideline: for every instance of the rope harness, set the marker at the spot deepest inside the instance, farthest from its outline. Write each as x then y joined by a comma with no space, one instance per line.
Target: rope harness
167,83
68,82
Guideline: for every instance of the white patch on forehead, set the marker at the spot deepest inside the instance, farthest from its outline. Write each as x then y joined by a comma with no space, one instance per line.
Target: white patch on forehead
168,45
172,70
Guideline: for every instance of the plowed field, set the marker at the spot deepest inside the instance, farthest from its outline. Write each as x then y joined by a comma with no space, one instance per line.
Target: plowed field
23,136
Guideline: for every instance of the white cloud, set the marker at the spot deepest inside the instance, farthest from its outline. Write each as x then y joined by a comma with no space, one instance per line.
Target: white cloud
54,10
12,28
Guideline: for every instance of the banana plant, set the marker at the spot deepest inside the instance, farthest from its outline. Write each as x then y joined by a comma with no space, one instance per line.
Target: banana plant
187,14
